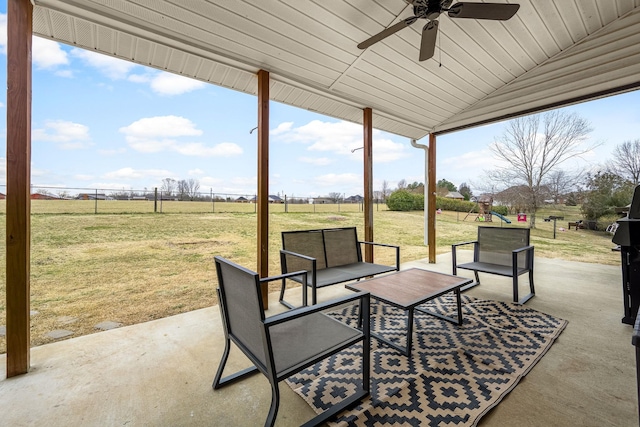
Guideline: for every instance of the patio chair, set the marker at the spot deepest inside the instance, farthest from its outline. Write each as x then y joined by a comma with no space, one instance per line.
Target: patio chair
284,344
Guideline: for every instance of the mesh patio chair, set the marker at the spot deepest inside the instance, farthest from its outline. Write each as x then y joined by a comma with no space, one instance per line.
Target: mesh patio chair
284,344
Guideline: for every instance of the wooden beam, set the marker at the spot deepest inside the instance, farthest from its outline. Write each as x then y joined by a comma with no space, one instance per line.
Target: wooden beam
18,202
431,222
368,182
263,181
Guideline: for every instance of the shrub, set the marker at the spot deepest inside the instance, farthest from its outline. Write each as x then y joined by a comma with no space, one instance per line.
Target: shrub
502,210
401,200
454,205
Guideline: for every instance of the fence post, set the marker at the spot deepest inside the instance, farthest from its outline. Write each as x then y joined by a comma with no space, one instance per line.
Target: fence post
213,202
286,205
155,200
96,204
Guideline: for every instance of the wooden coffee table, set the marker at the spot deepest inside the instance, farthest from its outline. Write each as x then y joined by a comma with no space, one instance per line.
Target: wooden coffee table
407,289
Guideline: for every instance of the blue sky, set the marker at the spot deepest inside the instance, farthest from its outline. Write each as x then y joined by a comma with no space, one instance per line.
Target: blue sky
99,122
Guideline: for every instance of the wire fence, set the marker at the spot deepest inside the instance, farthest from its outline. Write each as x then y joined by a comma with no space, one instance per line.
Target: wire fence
58,200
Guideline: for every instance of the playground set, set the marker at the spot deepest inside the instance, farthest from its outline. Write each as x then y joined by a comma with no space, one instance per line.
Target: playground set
485,212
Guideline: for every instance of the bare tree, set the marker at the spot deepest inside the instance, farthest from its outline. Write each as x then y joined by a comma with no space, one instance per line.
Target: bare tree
335,197
182,189
386,190
168,186
560,183
193,186
533,146
402,184
626,161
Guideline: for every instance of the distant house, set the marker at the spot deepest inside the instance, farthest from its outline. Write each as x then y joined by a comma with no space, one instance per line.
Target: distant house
454,195
92,196
272,199
322,200
2,196
242,200
354,199
40,196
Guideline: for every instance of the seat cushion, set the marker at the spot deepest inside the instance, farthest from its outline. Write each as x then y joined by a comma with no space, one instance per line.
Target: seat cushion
297,341
347,272
485,267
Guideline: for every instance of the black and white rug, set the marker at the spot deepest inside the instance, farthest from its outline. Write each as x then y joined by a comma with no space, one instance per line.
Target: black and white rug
455,375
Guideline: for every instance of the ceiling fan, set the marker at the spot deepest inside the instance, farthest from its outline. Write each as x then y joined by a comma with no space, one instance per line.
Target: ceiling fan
431,10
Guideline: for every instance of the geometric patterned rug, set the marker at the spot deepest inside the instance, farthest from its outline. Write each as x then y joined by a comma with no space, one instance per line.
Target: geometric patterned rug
455,375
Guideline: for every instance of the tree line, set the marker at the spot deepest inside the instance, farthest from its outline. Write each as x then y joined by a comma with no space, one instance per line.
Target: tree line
532,153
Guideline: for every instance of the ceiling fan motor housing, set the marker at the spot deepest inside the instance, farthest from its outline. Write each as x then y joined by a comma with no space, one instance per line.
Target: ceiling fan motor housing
430,9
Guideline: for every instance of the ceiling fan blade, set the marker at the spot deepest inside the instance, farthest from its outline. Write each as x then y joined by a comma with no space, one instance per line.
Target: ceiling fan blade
428,42
498,11
387,32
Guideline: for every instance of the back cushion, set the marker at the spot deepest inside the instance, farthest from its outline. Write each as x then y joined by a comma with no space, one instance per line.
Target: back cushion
307,243
341,246
496,244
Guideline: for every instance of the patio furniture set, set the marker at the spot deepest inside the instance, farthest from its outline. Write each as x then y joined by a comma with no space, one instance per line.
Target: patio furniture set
282,345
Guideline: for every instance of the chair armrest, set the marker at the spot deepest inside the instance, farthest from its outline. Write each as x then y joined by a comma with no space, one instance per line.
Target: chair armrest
286,276
475,242
524,248
396,247
286,252
529,260
454,257
305,311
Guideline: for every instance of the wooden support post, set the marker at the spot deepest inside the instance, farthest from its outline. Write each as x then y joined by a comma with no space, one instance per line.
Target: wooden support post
262,198
431,222
368,182
18,228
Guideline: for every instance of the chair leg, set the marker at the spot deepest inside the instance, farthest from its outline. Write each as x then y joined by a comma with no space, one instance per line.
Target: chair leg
533,289
218,381
515,288
275,403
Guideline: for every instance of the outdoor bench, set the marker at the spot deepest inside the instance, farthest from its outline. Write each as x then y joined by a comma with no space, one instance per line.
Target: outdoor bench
504,251
330,256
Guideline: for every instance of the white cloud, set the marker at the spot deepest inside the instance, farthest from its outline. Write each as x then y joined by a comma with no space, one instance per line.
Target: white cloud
48,54
173,84
161,126
282,128
67,135
126,174
224,149
195,172
156,134
112,152
3,33
339,137
112,67
83,177
316,161
338,180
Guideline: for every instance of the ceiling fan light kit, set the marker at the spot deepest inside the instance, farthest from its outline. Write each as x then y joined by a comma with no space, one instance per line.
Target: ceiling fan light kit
432,9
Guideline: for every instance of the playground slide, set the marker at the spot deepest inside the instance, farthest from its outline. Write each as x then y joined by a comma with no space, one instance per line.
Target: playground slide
502,217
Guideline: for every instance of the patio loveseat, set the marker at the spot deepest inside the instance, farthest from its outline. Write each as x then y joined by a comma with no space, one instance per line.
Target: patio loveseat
330,256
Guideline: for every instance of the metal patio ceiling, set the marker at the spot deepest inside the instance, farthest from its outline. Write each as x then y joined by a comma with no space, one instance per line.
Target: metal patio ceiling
552,53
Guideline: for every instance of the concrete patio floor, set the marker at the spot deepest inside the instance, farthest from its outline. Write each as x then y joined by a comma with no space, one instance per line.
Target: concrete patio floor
159,373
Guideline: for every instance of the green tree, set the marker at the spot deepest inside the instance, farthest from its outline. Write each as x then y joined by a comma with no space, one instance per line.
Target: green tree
465,190
443,183
605,192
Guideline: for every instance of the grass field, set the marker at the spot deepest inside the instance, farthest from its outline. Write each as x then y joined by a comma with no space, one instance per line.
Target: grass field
135,267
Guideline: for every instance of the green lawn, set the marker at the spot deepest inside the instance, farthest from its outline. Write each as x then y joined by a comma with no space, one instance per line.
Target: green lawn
135,267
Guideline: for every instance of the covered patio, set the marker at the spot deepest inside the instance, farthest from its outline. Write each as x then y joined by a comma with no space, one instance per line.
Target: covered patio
160,372
305,54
